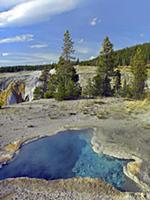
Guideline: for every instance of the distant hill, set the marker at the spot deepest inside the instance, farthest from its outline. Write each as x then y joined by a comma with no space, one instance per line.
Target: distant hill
123,56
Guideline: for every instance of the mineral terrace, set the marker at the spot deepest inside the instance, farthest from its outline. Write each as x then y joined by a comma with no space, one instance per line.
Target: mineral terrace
121,129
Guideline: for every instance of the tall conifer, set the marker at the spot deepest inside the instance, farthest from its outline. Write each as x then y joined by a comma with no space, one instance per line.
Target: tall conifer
105,69
140,74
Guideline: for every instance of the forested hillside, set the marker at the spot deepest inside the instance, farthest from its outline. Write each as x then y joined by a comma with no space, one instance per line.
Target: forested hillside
123,56
26,68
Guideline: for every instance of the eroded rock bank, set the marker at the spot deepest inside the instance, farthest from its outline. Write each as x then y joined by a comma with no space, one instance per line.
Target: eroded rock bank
18,87
13,94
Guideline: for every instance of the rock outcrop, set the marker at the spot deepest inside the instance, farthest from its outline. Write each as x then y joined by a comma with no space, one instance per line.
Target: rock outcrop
18,87
14,93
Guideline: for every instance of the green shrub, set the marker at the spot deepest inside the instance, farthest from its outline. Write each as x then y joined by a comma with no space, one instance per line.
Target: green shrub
90,90
1,104
69,91
38,93
48,95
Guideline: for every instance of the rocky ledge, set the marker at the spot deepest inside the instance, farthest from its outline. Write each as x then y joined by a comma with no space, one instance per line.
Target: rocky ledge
71,189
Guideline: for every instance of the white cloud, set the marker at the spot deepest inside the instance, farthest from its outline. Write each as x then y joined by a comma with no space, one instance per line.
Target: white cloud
141,35
94,21
38,46
81,41
83,50
18,38
92,57
27,12
5,54
28,58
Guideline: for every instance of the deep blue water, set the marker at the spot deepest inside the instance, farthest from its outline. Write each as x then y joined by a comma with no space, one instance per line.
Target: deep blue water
65,155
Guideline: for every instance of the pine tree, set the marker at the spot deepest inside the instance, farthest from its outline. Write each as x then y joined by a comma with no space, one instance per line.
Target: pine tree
117,82
77,62
106,86
52,83
105,69
68,49
65,83
44,79
106,58
40,91
140,74
126,90
89,89
60,93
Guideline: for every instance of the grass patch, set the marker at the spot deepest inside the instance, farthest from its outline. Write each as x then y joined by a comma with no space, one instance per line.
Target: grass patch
135,106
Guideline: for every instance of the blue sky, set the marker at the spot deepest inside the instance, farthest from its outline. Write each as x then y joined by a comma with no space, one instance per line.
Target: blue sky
31,31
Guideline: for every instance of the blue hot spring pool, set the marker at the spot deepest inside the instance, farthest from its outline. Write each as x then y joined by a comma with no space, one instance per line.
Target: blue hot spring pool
66,155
